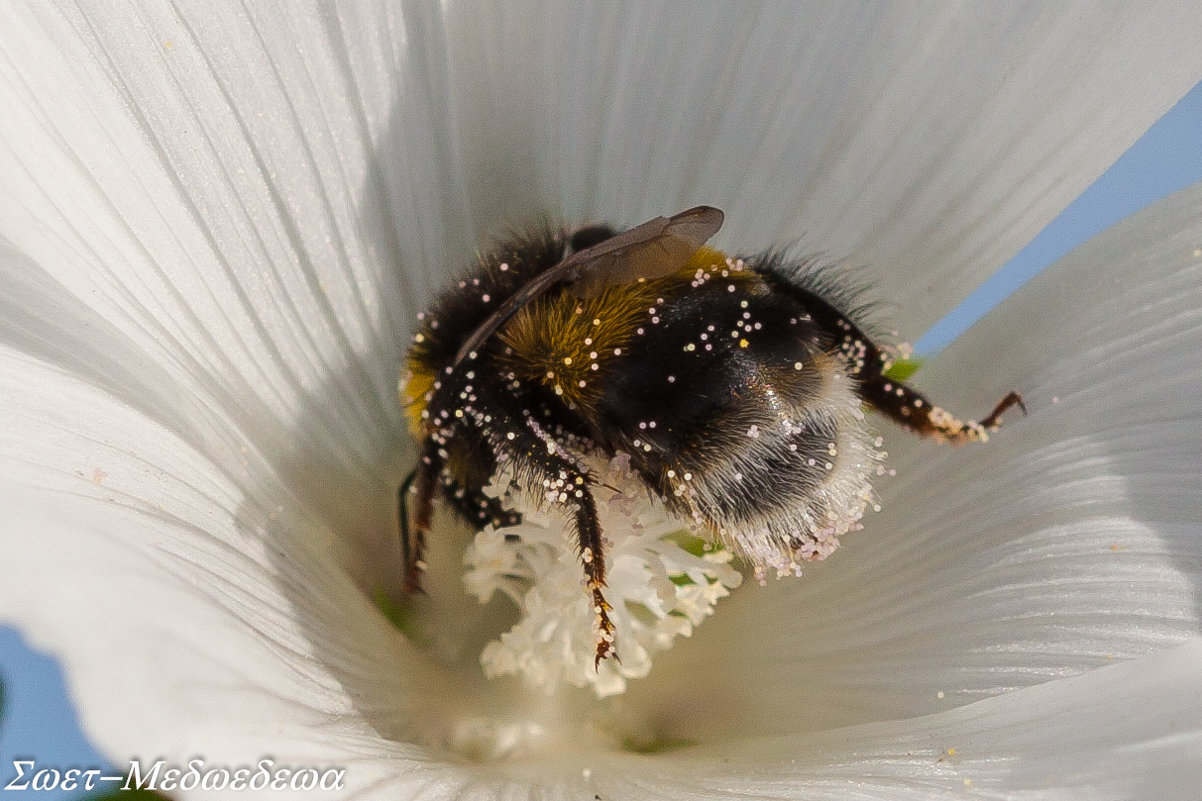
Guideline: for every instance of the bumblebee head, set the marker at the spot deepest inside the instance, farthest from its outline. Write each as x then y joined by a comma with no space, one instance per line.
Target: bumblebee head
585,237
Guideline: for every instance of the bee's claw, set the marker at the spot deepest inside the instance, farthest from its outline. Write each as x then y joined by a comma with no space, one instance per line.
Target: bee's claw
605,630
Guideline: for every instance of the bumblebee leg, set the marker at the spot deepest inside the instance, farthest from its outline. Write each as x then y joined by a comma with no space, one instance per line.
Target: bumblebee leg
907,407
576,493
402,506
569,485
540,459
592,556
573,486
421,483
910,408
471,503
478,509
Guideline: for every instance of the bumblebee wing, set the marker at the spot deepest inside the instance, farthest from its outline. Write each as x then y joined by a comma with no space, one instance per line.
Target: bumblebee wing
657,248
654,249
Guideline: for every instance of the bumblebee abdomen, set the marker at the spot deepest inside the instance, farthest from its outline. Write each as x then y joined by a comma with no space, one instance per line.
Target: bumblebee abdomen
735,406
706,354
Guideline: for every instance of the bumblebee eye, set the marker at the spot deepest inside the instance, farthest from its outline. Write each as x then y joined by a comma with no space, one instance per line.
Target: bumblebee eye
589,235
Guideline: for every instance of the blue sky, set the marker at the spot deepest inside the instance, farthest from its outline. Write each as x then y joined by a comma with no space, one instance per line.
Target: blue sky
1165,159
39,721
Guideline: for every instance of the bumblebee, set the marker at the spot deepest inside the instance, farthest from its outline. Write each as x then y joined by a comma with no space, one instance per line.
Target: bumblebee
735,385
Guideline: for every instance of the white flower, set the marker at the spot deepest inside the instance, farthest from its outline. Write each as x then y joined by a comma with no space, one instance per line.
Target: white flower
219,222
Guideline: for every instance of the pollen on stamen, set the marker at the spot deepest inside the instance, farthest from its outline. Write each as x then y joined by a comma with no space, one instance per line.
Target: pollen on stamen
660,586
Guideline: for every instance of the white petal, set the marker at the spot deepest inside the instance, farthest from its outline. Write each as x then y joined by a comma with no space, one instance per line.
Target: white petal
1069,540
929,142
247,246
260,230
198,613
204,181
42,325
1127,731
223,258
